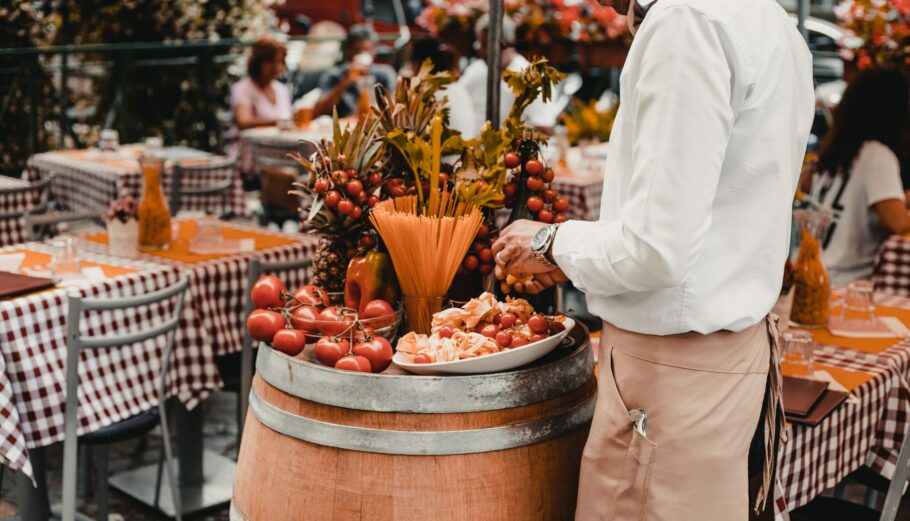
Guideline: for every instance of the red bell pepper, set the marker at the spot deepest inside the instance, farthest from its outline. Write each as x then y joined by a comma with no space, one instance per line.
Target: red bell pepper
370,277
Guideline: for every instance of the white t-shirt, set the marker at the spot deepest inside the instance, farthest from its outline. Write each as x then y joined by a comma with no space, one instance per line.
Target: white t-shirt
461,110
856,234
474,81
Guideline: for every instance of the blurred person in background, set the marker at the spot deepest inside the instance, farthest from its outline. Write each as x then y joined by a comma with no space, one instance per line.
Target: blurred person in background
461,110
859,173
539,114
259,99
339,85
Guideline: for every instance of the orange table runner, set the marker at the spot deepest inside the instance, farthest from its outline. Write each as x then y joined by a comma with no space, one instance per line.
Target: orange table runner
867,345
179,250
41,260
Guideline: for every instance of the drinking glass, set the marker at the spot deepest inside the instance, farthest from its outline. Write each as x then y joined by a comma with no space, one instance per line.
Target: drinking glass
859,304
110,140
65,257
798,355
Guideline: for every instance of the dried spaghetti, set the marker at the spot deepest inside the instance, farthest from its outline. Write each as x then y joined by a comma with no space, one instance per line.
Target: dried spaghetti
427,245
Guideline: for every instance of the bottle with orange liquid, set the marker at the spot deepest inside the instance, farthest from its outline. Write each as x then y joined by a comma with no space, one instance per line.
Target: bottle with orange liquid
812,285
154,216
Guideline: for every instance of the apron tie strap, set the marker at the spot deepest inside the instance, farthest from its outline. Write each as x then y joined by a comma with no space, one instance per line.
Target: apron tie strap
775,434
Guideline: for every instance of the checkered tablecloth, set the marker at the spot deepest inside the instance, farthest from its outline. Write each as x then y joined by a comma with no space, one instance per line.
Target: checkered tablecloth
892,267
868,433
114,383
88,180
584,195
219,285
279,143
12,231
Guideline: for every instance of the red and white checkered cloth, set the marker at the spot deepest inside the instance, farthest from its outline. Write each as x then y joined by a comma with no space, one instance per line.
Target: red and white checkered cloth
84,184
280,144
892,267
869,433
584,195
114,383
12,231
219,285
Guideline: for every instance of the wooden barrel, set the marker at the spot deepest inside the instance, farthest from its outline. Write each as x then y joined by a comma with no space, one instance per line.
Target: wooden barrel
321,444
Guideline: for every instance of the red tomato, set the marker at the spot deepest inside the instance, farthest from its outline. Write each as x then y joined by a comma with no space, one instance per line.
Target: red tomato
497,319
556,328
534,167
485,255
538,323
354,363
560,218
289,341
339,176
561,205
372,200
332,199
549,195
362,197
329,351
355,213
443,179
508,320
267,292
483,231
545,216
312,296
354,188
518,341
446,332
509,190
263,324
374,179
535,204
511,160
376,308
378,351
489,330
367,241
304,318
538,337
535,184
321,186
422,358
334,321
397,191
549,175
503,339
470,263
345,206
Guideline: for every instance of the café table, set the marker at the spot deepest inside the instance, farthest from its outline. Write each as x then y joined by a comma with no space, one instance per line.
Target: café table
116,383
580,178
216,292
12,231
280,142
892,266
90,179
866,430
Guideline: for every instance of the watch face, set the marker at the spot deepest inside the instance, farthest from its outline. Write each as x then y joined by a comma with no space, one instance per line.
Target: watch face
540,239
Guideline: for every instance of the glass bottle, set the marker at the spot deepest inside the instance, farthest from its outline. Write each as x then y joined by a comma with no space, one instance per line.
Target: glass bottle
812,285
154,216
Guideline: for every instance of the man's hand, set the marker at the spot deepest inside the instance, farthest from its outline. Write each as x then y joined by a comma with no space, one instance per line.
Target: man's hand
513,249
538,282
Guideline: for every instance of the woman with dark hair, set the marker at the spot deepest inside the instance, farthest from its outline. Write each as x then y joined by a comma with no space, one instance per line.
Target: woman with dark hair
859,173
260,99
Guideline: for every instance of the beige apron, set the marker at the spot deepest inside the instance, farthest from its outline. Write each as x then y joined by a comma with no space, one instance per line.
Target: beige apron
703,396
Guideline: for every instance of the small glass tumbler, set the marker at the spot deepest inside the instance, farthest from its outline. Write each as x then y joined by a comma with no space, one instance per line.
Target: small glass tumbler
798,356
859,302
65,257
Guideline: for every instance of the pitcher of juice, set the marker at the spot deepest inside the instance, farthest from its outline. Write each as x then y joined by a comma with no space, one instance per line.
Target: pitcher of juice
811,283
154,216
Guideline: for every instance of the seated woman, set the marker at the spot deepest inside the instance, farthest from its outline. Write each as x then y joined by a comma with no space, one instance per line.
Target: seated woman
259,99
859,174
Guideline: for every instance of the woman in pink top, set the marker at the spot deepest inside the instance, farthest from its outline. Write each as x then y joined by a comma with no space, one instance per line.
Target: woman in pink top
260,99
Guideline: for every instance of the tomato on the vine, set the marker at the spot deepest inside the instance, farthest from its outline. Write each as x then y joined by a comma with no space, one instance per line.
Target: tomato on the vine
535,204
321,186
535,184
511,160
354,363
549,175
289,341
312,295
263,324
545,216
332,199
354,188
268,292
534,167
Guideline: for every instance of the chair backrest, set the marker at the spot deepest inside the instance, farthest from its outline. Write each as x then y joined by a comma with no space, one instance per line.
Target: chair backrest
257,269
898,480
41,226
209,175
33,197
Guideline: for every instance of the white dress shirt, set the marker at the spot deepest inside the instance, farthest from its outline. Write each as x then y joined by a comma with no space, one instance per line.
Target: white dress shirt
474,81
703,162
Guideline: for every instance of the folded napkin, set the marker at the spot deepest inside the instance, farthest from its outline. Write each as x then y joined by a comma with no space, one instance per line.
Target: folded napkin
11,261
881,327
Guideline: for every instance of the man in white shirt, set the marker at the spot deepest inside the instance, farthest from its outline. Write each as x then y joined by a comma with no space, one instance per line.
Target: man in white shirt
687,259
539,114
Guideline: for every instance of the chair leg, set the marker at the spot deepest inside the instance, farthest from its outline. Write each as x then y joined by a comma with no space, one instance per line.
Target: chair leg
85,472
155,503
101,454
839,489
169,462
871,498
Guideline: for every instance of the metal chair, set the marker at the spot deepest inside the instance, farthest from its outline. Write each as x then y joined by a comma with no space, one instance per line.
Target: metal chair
239,377
825,508
129,428
200,168
277,172
19,200
41,226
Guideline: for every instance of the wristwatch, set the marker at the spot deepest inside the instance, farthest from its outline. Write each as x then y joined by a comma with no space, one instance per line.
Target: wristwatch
541,243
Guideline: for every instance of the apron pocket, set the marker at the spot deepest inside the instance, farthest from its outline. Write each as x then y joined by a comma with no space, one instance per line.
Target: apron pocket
634,478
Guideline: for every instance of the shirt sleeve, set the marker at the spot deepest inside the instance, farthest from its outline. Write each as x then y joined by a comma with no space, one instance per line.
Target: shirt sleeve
681,102
240,94
329,79
880,171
